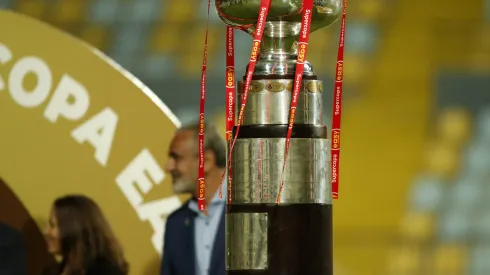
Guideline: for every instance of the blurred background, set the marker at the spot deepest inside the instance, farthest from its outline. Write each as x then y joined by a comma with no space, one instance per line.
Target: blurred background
415,169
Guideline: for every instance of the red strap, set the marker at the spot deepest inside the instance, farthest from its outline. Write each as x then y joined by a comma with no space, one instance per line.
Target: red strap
337,108
201,203
263,12
300,65
230,93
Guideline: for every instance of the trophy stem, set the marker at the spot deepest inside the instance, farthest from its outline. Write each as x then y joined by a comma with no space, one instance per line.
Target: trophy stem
280,37
278,45
278,51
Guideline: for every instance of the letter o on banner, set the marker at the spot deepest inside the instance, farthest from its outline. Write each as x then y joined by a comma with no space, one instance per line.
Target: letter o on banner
18,74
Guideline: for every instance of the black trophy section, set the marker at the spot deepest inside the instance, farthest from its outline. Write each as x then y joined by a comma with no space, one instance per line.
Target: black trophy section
299,235
299,239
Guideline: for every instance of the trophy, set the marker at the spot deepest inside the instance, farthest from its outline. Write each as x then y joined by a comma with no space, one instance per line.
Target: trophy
293,237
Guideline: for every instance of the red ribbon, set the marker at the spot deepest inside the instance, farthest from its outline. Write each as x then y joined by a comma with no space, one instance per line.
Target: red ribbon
201,201
298,78
337,108
259,30
230,94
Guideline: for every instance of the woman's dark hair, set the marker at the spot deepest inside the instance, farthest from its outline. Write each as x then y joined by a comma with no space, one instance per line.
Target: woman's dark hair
85,235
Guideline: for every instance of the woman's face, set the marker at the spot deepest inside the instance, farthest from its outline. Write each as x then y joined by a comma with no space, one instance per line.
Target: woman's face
52,235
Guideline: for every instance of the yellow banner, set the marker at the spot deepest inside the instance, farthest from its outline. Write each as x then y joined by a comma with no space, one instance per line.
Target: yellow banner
73,121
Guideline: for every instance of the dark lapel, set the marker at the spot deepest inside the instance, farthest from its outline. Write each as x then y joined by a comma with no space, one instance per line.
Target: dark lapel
218,257
189,248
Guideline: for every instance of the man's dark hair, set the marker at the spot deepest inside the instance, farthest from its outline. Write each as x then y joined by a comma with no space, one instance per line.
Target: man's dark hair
213,141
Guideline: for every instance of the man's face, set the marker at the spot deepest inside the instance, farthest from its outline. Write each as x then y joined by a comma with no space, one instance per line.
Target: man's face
182,163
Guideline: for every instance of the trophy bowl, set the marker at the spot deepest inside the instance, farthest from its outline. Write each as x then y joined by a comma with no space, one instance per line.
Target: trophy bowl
278,48
285,13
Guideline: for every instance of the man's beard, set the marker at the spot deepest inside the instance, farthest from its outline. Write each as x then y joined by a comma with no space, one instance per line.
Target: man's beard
182,186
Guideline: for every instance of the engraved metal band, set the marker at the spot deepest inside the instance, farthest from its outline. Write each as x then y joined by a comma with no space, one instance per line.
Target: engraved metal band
269,100
257,169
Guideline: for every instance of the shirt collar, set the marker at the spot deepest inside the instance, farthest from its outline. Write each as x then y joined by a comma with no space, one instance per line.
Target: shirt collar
216,200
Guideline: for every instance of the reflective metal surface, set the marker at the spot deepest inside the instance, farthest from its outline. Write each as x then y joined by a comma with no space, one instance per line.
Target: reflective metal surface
279,63
269,100
246,241
244,13
257,169
278,49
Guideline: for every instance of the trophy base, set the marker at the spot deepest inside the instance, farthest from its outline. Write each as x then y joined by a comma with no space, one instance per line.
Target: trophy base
294,239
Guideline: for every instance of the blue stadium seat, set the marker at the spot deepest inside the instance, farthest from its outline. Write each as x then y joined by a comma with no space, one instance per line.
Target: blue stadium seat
6,4
454,226
361,37
478,159
144,10
427,194
105,12
466,194
482,221
157,66
128,39
479,260
483,123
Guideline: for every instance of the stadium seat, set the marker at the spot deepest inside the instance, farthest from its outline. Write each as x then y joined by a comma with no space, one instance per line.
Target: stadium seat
455,225
427,194
95,35
479,260
175,12
32,8
355,70
448,259
405,260
453,126
477,159
370,9
128,39
192,49
165,39
68,12
483,125
442,160
141,11
481,229
417,227
193,41
190,65
467,193
156,66
6,4
104,12
361,37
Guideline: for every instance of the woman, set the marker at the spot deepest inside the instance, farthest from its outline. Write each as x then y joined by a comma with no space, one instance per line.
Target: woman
81,235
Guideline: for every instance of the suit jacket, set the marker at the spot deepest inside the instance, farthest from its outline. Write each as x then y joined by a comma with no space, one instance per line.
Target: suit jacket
179,257
12,252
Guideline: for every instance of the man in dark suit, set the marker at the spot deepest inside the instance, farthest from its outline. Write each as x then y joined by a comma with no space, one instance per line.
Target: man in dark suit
12,252
194,242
